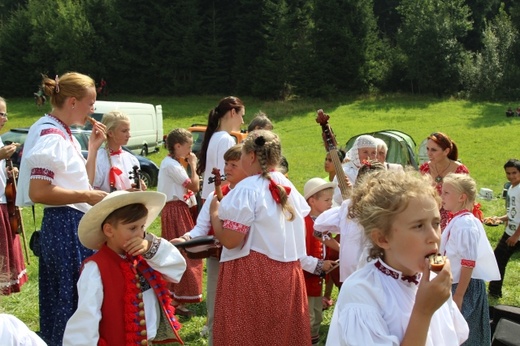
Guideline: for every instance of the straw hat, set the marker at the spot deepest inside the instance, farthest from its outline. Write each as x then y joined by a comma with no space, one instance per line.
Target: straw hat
89,230
315,185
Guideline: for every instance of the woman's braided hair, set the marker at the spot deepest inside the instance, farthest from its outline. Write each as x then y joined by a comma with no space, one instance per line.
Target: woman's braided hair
268,150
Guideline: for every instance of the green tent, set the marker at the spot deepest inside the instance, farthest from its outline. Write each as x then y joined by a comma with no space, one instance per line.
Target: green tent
401,147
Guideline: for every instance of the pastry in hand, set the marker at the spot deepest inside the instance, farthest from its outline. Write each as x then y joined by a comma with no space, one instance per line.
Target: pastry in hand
437,262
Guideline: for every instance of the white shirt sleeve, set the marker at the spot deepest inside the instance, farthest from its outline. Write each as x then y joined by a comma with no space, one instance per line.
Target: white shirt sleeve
203,224
14,332
83,327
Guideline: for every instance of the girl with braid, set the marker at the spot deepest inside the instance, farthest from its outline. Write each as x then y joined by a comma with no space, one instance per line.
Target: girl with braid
226,117
261,297
114,165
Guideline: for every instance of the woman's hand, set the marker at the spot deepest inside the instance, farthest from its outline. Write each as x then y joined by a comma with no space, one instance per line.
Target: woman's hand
95,196
98,136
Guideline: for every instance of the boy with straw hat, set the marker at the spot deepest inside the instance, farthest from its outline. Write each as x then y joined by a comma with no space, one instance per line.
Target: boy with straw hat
123,297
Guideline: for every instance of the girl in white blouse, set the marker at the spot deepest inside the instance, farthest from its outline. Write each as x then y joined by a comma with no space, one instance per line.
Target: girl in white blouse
261,297
465,243
395,299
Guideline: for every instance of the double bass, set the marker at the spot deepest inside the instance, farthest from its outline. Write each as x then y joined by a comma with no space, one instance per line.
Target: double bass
330,143
15,213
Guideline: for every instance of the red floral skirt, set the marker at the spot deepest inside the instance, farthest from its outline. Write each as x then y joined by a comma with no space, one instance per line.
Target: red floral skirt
261,301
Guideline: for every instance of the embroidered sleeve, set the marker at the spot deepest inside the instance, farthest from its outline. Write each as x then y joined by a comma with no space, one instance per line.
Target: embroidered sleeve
319,268
42,173
155,242
235,226
467,263
186,182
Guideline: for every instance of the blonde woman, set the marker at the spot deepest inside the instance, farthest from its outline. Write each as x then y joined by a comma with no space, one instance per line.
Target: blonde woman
54,173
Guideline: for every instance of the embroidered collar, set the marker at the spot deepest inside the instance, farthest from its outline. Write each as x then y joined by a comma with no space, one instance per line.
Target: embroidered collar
115,152
385,269
65,126
460,212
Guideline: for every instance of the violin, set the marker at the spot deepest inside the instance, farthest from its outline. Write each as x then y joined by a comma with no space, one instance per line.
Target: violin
330,143
15,214
135,174
217,179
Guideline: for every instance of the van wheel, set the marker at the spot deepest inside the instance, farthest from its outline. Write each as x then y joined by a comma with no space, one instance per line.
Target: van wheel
144,150
146,178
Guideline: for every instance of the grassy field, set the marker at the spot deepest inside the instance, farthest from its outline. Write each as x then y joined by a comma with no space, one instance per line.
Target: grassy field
485,137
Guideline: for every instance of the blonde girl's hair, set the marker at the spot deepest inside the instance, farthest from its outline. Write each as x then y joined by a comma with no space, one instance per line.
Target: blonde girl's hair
234,153
267,147
383,195
112,119
464,184
70,84
177,136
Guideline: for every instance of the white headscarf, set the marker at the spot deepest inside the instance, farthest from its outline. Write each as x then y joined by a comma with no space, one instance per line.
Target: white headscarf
363,141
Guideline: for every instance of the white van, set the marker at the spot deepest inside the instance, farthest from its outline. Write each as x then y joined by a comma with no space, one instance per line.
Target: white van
146,123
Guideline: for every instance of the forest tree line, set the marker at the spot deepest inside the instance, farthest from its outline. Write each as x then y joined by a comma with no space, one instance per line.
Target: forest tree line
273,49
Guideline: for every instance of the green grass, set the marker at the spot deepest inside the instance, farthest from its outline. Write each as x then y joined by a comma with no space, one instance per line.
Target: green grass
485,137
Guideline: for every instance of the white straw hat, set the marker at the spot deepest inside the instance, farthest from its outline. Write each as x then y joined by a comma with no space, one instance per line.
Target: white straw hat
89,230
315,185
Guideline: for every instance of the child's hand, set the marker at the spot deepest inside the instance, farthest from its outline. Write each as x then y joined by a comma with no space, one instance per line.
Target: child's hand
192,159
432,294
137,246
327,264
177,240
512,240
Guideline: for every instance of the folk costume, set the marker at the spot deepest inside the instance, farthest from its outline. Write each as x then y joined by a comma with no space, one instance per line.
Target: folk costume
113,170
12,267
465,243
425,169
261,297
176,220
374,308
203,228
353,242
123,299
52,153
314,280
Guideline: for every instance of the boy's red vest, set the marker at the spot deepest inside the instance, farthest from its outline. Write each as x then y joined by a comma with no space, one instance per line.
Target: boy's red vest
314,283
123,320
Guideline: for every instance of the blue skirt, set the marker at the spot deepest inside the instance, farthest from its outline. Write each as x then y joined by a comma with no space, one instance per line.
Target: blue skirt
61,257
475,309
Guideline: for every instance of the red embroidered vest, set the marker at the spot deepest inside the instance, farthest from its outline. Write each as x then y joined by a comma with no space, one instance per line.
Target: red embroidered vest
314,247
123,319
